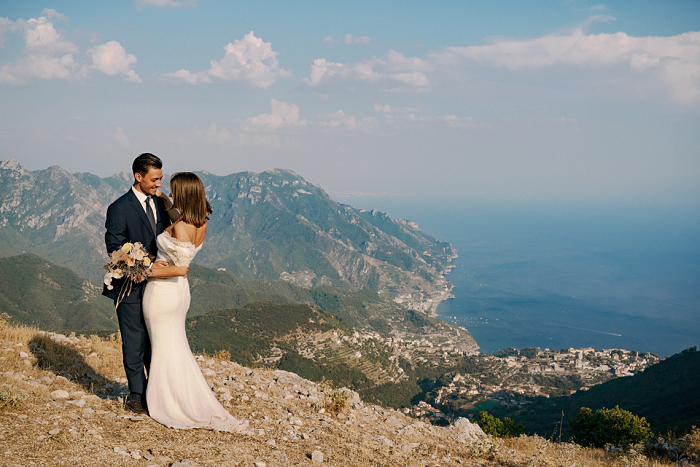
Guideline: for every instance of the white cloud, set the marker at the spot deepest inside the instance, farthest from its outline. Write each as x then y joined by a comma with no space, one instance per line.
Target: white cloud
49,55
394,71
672,63
53,14
5,24
38,66
111,59
249,60
40,37
121,138
282,114
383,109
349,39
339,120
167,3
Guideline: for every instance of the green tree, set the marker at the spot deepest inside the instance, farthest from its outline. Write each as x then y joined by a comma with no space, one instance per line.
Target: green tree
493,426
608,426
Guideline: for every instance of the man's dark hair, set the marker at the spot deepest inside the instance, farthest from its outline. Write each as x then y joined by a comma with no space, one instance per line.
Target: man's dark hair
144,162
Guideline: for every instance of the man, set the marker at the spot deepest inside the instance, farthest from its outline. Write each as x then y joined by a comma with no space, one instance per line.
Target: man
137,216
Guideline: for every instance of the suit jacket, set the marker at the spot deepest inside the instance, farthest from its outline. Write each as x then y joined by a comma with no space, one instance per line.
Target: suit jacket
127,222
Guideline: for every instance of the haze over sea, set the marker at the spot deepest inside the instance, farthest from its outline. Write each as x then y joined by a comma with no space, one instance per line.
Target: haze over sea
566,275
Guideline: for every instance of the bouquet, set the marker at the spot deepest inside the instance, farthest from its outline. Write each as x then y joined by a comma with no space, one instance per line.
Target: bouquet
131,261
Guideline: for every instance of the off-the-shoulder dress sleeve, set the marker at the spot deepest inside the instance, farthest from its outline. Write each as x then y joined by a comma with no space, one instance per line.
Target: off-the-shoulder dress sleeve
180,253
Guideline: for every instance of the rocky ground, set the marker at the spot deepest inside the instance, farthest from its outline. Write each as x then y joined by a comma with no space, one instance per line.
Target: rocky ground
60,405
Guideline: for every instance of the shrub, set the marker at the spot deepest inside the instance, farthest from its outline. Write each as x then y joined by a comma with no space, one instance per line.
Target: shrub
10,396
608,426
493,426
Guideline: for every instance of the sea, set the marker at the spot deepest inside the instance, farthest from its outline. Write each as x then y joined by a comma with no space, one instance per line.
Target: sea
562,274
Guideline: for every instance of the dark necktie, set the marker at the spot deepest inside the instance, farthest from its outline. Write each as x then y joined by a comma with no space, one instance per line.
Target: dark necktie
149,213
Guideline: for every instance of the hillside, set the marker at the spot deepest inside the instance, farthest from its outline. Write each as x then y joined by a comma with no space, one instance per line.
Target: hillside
35,291
273,225
665,394
60,405
365,309
359,340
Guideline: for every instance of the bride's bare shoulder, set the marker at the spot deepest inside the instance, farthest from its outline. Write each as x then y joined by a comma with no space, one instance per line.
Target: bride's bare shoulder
184,232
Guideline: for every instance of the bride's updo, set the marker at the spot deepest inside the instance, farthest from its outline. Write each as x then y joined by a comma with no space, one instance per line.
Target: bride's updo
189,198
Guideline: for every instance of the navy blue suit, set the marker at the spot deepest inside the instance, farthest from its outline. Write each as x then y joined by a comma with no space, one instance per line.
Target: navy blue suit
127,222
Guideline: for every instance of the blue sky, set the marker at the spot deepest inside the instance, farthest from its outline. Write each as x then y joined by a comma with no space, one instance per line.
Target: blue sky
507,100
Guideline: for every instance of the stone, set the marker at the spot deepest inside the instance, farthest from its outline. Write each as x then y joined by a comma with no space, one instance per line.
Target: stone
23,355
60,394
394,422
79,402
55,431
466,431
317,457
259,464
385,441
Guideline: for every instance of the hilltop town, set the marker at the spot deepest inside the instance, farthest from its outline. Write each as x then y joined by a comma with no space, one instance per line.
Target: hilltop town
513,377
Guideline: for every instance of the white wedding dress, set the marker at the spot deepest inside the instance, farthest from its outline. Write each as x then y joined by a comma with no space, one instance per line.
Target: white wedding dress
177,394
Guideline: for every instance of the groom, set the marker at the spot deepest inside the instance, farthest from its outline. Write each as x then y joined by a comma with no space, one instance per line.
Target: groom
137,216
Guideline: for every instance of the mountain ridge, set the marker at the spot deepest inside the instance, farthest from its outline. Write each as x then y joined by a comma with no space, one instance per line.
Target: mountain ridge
269,225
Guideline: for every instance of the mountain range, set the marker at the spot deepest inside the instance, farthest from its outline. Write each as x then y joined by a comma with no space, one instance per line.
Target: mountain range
272,225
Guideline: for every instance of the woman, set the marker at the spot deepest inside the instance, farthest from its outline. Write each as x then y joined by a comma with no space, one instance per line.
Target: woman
177,394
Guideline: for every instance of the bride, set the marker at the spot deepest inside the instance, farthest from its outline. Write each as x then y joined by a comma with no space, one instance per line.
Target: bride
177,394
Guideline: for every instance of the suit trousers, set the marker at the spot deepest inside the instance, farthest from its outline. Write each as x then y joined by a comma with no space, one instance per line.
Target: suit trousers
136,346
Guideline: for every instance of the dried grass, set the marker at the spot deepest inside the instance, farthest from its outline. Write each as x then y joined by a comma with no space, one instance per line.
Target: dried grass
90,439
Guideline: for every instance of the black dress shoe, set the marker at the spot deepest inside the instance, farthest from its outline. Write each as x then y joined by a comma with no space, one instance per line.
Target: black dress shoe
136,407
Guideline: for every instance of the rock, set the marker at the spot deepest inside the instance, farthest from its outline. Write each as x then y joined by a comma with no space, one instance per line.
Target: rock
23,355
394,422
259,464
385,441
60,394
79,402
353,397
55,431
317,457
466,430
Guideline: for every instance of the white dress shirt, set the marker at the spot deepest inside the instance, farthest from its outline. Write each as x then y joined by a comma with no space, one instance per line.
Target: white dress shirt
143,199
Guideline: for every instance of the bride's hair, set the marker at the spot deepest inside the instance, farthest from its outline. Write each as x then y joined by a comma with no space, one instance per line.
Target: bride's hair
189,198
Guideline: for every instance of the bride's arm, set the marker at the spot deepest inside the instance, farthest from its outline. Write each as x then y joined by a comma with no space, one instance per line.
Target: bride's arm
173,213
168,271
